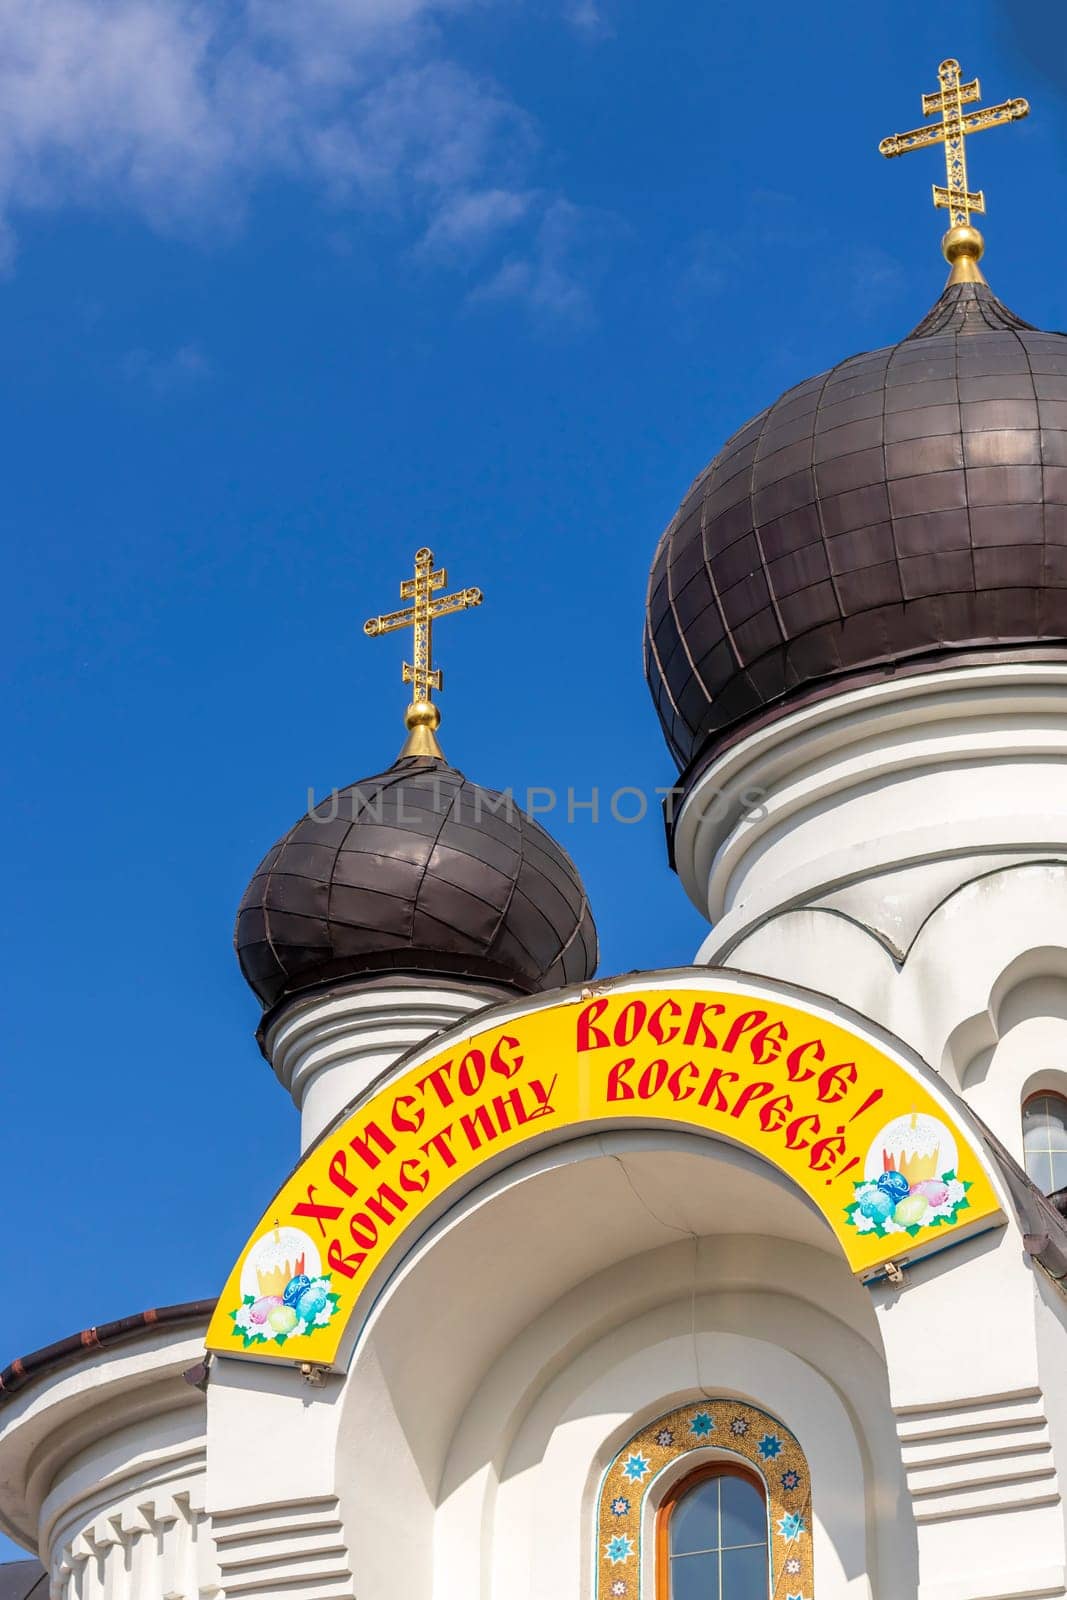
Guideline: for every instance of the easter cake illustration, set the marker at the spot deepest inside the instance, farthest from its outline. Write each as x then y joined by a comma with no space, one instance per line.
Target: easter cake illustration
284,1292
911,1179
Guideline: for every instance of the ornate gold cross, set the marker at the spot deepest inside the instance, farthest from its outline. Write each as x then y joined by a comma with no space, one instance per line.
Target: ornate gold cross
422,716
952,132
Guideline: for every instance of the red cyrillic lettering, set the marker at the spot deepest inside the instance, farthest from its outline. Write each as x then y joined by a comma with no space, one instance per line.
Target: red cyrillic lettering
793,1140
835,1082
410,1124
773,1113
655,1022
767,1043
618,1089
701,1009
590,1037
472,1070
364,1230
480,1119
652,1079
715,1076
825,1153
498,1061
740,1026
315,1209
543,1096
339,1174
751,1091
674,1082
348,1266
414,1182
380,1202
440,1145
440,1087
797,1072
361,1144
629,1022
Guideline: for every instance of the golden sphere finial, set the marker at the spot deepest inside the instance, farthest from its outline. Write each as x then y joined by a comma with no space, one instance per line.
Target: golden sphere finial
962,243
422,714
962,247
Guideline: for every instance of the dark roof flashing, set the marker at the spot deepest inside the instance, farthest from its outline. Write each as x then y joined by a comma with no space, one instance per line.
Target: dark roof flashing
26,1369
23,1580
968,308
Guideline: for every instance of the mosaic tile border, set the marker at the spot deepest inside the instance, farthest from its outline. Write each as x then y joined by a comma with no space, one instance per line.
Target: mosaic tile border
742,1431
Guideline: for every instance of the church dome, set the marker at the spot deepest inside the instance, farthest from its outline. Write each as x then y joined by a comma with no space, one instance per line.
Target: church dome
905,511
415,871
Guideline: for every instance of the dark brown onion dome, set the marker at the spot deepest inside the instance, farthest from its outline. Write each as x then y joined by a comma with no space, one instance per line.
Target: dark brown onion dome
906,510
415,871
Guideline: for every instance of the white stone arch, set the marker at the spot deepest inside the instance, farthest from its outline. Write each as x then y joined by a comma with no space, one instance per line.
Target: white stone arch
1013,1040
452,1469
623,1386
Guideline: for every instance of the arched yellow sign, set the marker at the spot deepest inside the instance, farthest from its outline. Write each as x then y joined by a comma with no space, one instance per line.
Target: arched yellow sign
870,1138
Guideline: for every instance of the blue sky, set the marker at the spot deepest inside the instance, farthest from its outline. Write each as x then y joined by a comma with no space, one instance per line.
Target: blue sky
291,290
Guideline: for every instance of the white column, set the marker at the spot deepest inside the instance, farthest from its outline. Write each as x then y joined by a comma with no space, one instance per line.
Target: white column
878,801
973,1424
329,1048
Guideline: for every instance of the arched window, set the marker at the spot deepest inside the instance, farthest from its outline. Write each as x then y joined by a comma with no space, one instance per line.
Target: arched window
737,1526
1045,1140
712,1537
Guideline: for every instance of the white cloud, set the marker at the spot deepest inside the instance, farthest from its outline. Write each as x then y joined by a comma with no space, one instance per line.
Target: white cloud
165,373
549,277
178,109
587,16
469,218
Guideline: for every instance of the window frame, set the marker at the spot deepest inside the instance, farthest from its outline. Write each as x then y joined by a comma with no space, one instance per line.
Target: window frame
1029,1100
677,1491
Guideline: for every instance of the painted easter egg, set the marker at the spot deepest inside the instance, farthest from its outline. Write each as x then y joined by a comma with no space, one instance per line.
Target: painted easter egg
933,1191
263,1308
295,1288
875,1203
282,1319
894,1183
311,1302
910,1210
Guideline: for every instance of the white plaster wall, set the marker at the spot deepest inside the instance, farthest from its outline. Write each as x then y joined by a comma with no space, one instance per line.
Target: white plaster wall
500,1405
966,766
102,1472
543,1523
980,992
433,1468
909,857
909,860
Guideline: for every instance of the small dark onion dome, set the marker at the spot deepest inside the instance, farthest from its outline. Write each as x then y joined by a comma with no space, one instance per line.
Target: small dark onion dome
905,511
415,871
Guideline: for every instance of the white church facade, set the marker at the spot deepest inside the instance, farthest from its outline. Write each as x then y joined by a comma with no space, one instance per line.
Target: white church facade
739,1281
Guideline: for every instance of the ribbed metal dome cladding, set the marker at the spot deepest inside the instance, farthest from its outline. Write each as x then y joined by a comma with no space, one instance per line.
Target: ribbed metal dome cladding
906,508
415,871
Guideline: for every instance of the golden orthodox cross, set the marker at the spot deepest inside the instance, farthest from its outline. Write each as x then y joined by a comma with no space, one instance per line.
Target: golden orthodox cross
421,673
952,131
